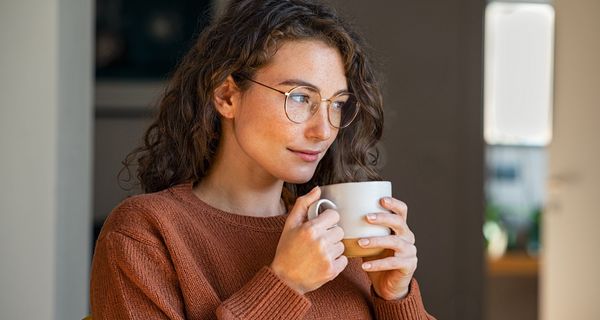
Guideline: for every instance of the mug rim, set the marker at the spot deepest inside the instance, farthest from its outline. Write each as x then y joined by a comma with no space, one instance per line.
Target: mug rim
358,182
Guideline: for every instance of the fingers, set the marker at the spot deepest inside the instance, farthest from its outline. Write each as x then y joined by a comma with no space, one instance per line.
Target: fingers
337,250
331,238
404,257
396,206
326,220
401,247
406,266
300,210
339,265
394,222
334,235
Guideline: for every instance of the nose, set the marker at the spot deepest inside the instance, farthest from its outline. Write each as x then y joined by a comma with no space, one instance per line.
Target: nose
318,126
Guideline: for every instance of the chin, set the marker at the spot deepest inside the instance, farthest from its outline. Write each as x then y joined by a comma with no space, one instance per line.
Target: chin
297,181
297,177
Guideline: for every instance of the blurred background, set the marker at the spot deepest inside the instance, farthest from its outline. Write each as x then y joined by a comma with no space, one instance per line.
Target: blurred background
490,137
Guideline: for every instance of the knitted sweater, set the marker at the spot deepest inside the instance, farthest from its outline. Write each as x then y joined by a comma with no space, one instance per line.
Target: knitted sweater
169,255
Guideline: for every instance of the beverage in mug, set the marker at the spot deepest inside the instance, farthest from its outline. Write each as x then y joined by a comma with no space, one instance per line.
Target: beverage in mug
353,201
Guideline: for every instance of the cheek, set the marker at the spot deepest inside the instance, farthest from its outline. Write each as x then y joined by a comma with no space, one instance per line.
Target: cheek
259,110
260,126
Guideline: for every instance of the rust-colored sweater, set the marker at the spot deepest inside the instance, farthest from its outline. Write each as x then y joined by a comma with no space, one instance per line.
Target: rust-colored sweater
168,255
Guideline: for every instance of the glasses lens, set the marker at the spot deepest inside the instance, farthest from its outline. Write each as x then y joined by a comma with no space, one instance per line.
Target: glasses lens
343,110
301,103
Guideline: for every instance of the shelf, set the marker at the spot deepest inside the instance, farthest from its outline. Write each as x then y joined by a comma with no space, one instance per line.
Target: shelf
513,264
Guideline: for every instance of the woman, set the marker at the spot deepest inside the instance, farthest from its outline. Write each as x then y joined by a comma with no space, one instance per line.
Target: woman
274,99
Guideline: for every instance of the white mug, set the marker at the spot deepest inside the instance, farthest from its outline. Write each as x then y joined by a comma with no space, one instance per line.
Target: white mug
353,201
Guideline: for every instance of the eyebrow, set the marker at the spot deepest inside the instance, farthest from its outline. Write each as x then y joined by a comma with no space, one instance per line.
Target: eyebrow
298,82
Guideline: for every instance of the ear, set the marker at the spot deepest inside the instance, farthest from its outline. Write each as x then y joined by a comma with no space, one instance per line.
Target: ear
226,97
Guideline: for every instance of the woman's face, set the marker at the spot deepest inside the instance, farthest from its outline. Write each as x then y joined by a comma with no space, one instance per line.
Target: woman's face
285,150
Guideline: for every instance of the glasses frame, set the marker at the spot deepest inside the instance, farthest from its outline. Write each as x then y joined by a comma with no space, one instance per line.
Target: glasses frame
329,102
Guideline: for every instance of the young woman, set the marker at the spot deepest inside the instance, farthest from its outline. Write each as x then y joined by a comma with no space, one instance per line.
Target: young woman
274,99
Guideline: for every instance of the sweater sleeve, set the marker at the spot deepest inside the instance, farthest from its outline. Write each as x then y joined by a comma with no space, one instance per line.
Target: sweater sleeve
133,278
266,296
408,308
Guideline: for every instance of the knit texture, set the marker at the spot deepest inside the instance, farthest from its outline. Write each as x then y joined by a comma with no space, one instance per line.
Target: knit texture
169,255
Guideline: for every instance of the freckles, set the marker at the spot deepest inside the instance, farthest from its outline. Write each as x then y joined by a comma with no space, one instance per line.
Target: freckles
273,128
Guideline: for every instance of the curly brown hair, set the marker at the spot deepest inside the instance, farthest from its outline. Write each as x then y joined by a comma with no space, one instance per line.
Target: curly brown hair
180,144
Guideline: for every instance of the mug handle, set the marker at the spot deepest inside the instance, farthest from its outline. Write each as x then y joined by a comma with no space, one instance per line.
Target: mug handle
315,208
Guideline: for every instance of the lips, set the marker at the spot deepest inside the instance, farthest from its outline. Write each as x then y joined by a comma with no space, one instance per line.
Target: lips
307,155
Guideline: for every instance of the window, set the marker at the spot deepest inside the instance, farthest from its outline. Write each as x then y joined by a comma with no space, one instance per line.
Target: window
518,73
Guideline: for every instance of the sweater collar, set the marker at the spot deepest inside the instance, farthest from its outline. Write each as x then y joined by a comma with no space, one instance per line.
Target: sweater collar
184,192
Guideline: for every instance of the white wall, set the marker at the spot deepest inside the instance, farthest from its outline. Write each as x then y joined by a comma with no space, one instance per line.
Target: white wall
45,163
570,281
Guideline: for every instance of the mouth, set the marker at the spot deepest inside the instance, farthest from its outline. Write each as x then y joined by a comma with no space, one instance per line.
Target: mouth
307,155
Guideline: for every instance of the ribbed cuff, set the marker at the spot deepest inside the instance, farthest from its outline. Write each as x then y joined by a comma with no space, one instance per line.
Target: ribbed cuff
266,296
408,308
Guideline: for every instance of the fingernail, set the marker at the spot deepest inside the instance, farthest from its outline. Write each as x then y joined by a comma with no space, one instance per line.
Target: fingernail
363,242
387,200
371,216
366,266
314,189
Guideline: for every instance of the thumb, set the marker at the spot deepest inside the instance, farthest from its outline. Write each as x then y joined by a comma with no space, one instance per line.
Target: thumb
300,210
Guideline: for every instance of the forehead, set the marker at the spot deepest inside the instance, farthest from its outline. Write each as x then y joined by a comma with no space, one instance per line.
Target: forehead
312,61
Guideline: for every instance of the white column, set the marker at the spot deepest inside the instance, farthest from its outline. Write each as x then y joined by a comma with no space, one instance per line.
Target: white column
570,281
45,158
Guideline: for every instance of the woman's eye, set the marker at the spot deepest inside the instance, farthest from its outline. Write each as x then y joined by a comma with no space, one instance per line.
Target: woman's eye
300,98
338,105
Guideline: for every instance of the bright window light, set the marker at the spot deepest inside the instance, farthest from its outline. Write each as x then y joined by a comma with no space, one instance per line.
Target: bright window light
519,45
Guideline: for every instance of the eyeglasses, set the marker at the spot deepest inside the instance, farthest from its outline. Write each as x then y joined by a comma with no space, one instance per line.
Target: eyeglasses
302,102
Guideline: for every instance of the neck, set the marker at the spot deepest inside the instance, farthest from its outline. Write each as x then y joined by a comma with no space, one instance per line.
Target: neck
236,184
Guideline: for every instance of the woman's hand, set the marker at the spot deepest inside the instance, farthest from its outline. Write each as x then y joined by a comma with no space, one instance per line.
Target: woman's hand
391,271
309,253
